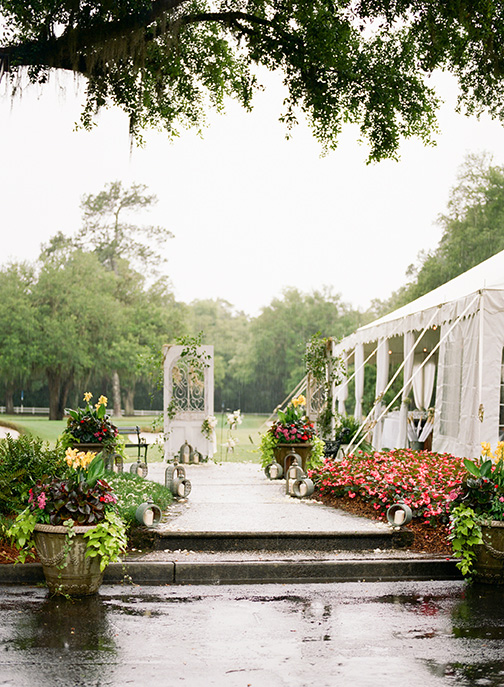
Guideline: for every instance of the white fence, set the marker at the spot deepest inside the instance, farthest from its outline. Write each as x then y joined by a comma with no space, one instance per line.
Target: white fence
29,410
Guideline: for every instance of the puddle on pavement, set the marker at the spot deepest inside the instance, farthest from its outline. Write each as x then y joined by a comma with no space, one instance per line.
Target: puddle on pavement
477,674
58,623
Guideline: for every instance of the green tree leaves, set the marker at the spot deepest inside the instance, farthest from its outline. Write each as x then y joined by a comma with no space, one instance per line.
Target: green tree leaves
164,62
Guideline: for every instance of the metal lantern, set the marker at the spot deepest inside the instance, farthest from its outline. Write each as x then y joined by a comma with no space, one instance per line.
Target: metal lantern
114,462
139,468
195,456
172,473
399,514
290,458
148,514
302,488
181,488
185,452
293,473
274,470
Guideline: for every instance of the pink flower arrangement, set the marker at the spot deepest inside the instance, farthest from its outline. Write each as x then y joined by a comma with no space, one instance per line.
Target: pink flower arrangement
427,482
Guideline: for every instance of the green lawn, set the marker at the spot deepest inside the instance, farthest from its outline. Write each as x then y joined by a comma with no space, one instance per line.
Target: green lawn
246,434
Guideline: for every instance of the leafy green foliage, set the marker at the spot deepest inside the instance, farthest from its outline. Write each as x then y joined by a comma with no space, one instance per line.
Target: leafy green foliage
90,424
23,462
107,540
61,500
272,363
267,448
465,534
21,532
348,430
365,63
132,490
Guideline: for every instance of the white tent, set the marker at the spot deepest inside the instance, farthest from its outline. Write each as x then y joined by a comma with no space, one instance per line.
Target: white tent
451,339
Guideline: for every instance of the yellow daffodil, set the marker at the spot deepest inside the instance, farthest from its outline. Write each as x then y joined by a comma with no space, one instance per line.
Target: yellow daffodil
299,401
88,396
102,401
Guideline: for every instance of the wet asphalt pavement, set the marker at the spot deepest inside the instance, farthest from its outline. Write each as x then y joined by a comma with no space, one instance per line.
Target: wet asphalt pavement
410,634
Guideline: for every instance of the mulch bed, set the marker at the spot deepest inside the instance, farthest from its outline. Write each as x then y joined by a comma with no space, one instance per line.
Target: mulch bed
428,539
8,554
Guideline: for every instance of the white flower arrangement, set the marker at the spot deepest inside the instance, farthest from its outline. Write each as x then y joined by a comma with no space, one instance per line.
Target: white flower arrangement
234,419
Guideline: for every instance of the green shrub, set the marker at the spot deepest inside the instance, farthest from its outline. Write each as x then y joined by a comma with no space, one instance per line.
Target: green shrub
23,461
131,490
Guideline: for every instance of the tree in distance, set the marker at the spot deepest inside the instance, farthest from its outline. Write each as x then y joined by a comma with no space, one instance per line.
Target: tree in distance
472,231
164,62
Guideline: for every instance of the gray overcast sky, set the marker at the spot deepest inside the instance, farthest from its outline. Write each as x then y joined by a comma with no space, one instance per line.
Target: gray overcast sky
251,212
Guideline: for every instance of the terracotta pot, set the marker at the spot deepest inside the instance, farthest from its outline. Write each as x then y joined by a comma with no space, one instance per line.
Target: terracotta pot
489,563
281,452
70,573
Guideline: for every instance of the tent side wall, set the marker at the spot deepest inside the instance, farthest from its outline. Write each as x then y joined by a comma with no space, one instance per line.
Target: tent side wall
456,425
493,345
470,361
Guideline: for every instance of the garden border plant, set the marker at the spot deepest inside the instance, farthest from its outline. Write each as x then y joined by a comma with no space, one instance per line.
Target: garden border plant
479,503
427,482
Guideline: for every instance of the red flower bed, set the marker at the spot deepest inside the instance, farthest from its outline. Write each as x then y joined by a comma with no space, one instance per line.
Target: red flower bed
427,482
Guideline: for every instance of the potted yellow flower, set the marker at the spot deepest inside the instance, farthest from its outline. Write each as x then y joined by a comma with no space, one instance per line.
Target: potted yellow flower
74,526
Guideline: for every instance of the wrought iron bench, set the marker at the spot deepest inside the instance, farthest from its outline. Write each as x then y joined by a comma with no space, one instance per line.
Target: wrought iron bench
140,467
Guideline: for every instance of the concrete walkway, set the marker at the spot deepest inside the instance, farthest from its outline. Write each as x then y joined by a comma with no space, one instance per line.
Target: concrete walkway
237,497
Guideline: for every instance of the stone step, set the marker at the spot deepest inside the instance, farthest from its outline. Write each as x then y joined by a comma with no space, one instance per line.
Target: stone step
215,570
167,540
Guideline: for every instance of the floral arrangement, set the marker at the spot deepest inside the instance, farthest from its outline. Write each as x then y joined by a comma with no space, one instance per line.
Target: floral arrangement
234,419
90,425
208,427
82,497
480,500
427,482
292,426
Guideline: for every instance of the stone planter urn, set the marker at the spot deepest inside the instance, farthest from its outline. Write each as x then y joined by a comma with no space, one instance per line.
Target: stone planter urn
67,572
281,452
489,563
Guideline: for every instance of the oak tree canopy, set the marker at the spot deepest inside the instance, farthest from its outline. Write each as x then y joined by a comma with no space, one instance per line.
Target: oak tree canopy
367,62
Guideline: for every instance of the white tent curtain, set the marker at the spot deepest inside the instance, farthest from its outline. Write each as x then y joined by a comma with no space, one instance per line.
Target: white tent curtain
382,373
343,387
408,348
423,381
359,379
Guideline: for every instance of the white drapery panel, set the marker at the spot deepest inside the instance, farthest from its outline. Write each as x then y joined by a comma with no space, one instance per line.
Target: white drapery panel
423,381
382,373
408,348
359,379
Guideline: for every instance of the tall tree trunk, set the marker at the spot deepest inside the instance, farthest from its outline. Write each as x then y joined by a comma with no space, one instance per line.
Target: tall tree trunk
116,394
9,400
58,394
129,397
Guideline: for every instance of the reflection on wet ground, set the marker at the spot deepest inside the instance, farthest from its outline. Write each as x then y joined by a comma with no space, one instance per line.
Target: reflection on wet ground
411,633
